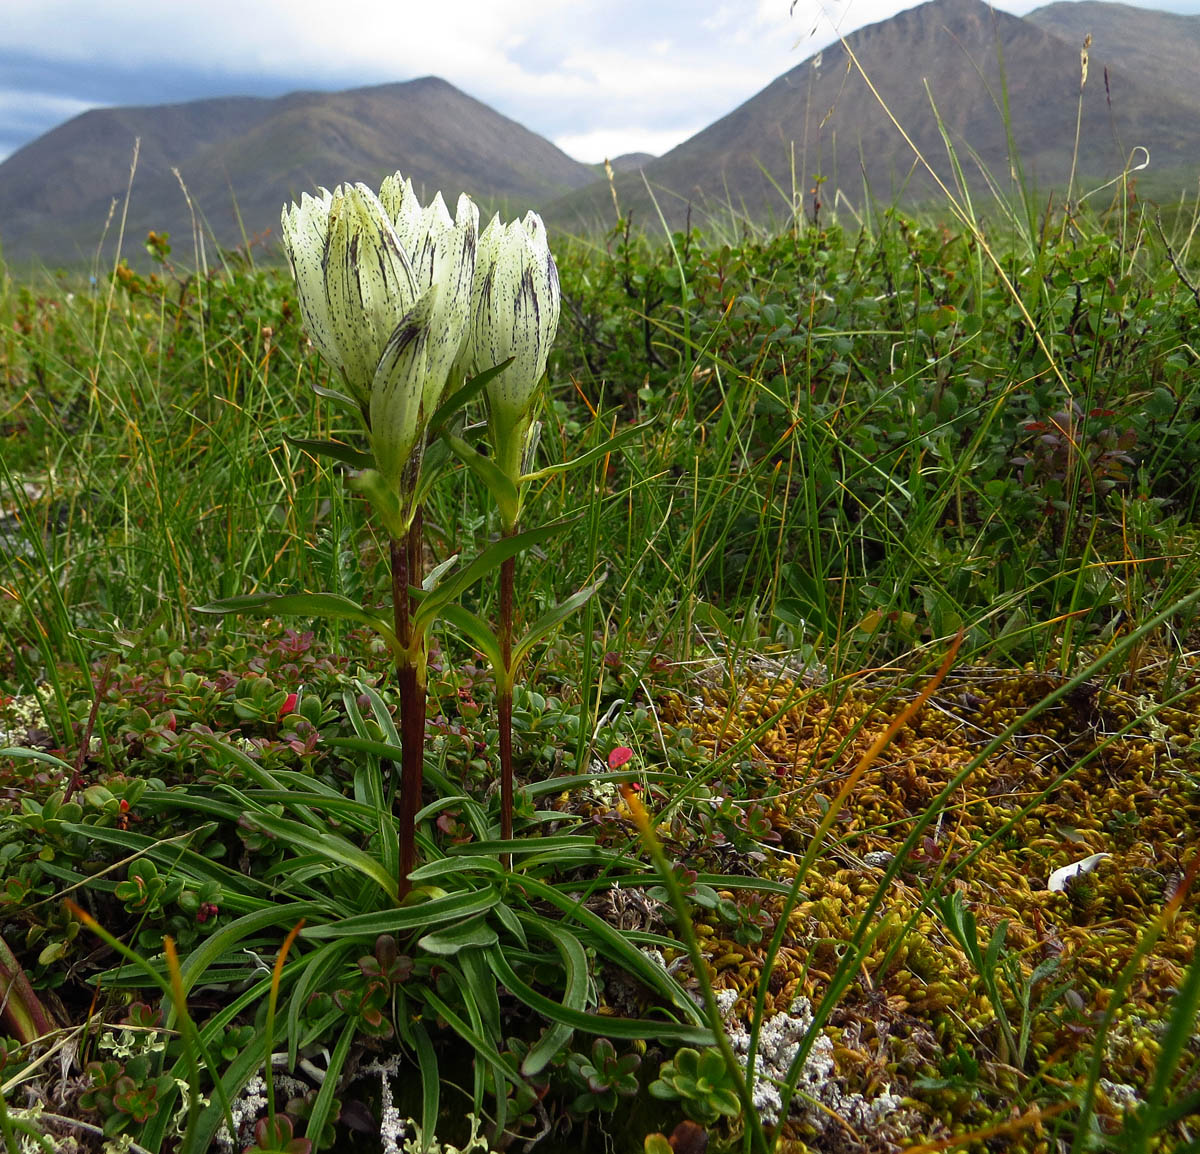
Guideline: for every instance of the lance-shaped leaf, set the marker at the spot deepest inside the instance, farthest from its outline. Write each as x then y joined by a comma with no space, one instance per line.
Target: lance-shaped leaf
551,619
437,573
473,934
332,605
335,450
468,392
337,397
328,846
608,1026
476,630
453,589
502,487
609,446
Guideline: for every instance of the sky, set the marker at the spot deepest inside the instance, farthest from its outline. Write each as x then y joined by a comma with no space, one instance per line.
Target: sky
599,78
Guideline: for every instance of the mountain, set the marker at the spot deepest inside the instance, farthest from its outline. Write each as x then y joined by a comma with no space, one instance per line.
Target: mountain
243,157
631,161
1157,49
960,56
1007,90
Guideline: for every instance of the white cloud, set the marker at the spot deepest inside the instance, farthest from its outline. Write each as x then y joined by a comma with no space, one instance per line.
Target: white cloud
609,143
39,107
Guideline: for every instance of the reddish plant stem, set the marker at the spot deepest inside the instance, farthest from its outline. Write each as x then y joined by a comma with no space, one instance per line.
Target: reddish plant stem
85,742
505,702
410,681
401,616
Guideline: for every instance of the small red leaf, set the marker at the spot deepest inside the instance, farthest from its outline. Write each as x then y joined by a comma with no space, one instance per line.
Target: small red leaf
619,756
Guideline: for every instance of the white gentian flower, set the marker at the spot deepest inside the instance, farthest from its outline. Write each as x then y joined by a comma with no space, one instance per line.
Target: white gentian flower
516,306
369,284
385,287
443,254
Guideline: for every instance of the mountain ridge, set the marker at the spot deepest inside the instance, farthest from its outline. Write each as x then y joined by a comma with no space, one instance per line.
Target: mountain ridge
814,133
242,157
962,57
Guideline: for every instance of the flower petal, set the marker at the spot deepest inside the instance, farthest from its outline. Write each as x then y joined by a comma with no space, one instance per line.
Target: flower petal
369,283
397,411
304,230
1060,877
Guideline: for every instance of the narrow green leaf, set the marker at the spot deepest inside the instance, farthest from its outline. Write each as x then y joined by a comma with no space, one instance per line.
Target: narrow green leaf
449,866
323,1105
301,604
36,755
336,397
336,848
431,1083
574,998
453,589
460,397
551,619
484,1048
609,446
498,483
437,572
476,630
382,715
335,450
595,1023
405,918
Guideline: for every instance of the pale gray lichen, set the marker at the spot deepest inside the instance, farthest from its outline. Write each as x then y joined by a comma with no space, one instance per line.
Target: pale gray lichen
1120,1094
247,1107
392,1130
820,1098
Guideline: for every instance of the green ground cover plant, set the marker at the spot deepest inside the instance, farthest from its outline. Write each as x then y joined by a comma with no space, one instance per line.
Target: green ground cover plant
887,541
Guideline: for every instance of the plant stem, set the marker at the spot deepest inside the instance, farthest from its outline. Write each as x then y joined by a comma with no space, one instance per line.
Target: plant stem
410,681
505,696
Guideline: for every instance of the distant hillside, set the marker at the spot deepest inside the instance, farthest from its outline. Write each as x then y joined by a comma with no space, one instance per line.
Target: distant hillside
822,119
1153,49
246,156
631,161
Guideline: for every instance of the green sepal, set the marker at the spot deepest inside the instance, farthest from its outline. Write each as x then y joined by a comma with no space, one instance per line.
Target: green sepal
303,605
437,456
346,454
609,446
385,501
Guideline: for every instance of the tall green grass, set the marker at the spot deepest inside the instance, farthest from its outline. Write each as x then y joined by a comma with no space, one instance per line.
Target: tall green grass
862,442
